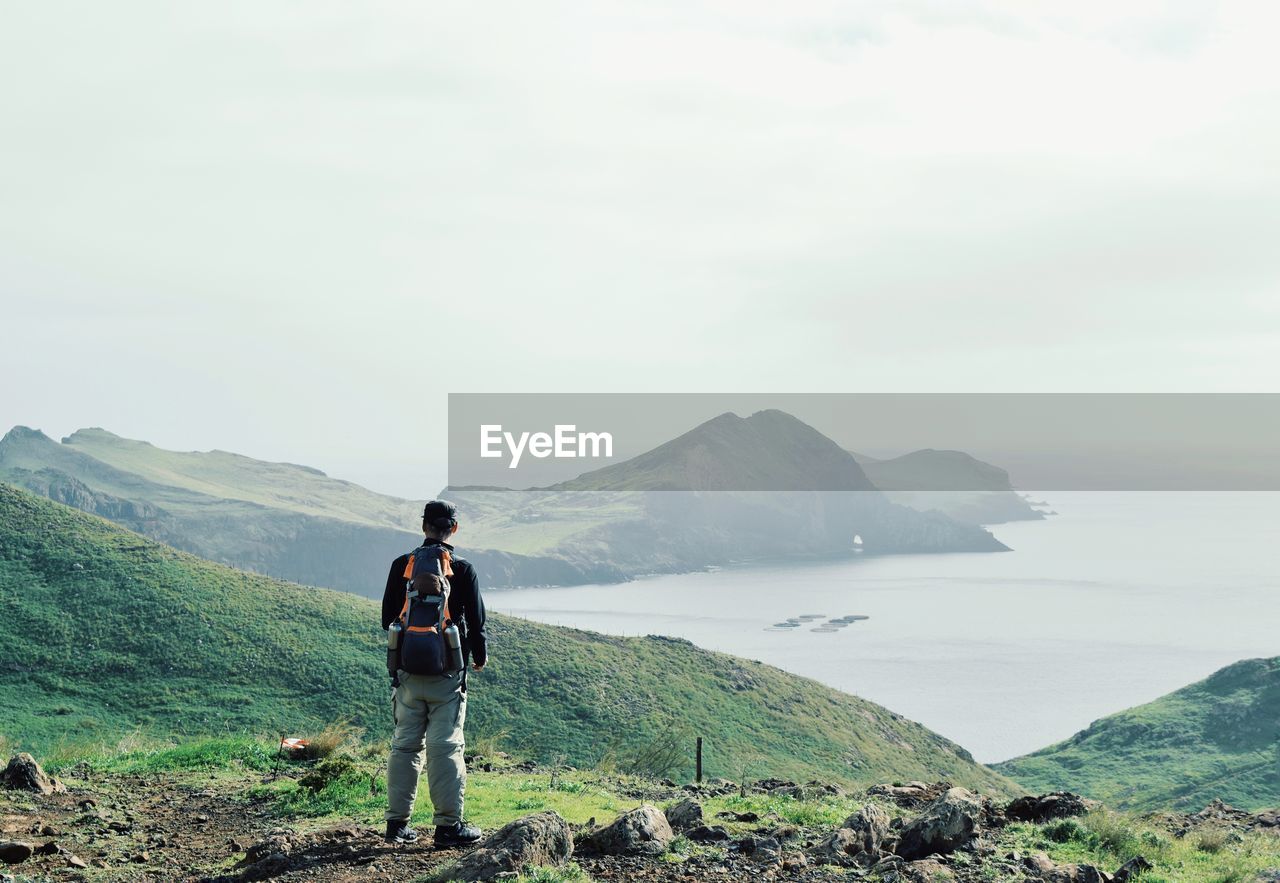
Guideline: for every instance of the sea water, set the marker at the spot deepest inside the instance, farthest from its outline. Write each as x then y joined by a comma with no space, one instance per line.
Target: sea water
1114,601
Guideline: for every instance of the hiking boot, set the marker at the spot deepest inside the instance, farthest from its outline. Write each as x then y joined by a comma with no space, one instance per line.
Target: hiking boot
457,834
400,832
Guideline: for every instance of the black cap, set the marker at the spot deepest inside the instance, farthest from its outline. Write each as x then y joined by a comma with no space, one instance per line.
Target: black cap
439,510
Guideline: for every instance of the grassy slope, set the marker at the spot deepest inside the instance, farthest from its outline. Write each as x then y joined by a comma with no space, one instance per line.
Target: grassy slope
1216,738
236,477
106,631
1103,838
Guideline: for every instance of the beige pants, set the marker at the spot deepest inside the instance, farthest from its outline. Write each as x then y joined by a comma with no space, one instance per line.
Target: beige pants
429,711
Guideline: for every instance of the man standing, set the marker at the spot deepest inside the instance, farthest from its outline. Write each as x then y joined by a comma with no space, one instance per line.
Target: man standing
430,710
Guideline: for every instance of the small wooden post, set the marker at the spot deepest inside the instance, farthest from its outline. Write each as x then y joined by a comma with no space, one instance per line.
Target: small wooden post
699,774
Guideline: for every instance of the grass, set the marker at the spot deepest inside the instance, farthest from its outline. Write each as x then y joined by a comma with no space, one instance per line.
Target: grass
108,634
1108,839
356,792
1214,738
493,798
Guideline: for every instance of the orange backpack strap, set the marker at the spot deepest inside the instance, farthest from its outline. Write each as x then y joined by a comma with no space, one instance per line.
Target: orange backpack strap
408,575
446,568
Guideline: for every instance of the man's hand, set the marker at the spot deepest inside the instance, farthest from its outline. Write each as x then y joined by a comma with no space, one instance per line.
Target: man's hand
477,666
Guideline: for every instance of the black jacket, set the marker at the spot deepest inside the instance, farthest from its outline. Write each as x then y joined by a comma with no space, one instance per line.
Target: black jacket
466,607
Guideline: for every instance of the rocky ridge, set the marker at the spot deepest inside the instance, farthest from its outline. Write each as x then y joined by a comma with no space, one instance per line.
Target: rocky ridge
161,828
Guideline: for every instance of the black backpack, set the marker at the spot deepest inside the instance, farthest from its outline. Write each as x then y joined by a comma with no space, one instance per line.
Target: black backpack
425,614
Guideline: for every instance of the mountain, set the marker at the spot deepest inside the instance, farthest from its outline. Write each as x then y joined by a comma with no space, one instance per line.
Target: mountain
768,451
1218,738
274,518
952,482
732,489
106,631
296,523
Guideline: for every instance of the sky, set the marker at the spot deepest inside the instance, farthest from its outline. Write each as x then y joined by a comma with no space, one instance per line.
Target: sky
289,229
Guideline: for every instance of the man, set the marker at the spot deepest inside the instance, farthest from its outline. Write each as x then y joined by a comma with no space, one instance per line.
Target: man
430,710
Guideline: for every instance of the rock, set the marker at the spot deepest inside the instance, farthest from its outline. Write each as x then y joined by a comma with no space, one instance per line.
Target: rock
270,865
15,851
841,847
1267,819
814,791
1076,874
1039,863
912,794
890,864
1132,869
761,849
540,840
24,774
794,861
764,786
74,861
951,821
277,841
926,871
722,787
871,825
731,816
640,831
785,831
1217,810
685,815
708,834
859,837
1046,807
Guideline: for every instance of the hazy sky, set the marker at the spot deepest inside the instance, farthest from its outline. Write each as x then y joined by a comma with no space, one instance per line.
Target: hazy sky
287,229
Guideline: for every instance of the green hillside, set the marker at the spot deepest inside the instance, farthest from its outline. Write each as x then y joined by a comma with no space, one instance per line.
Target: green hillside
279,519
106,631
1216,738
227,476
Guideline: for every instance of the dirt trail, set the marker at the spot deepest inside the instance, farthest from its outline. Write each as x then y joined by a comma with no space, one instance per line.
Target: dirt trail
167,828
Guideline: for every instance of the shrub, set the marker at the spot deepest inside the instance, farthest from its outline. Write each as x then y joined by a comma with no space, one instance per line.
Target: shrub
1068,831
660,756
1114,833
334,768
1211,840
486,743
338,735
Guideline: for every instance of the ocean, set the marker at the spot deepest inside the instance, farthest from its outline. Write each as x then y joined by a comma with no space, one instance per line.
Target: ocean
1114,601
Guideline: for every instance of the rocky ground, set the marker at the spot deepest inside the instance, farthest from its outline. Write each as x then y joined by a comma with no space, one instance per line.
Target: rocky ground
183,827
